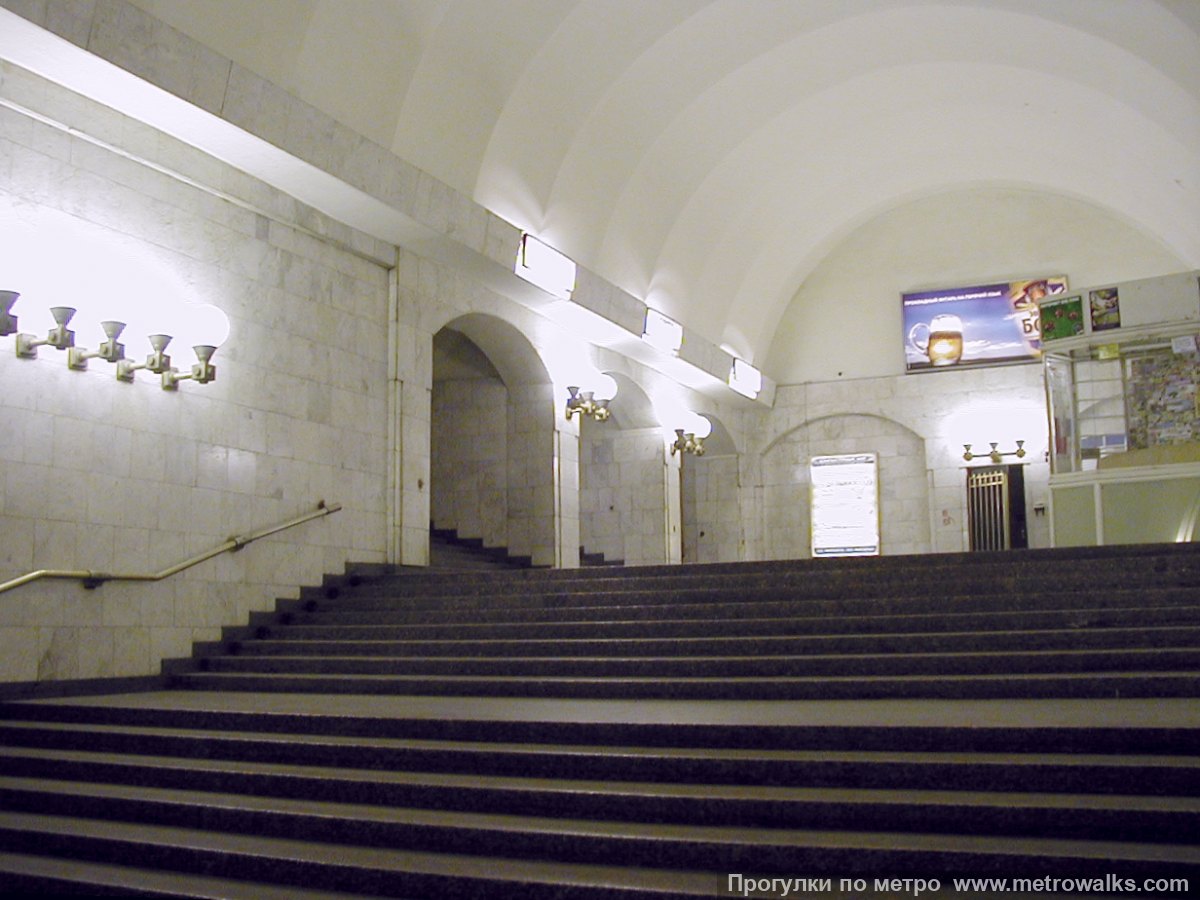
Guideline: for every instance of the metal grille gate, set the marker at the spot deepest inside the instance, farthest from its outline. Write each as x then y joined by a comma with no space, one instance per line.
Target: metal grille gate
988,515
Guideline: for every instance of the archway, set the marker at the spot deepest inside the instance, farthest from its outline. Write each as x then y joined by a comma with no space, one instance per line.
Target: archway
493,440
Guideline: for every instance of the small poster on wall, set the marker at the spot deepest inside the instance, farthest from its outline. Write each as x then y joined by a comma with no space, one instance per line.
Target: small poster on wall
1062,317
1106,309
845,505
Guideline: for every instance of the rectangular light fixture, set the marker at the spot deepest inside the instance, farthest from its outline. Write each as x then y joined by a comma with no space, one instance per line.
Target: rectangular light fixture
661,332
540,264
745,379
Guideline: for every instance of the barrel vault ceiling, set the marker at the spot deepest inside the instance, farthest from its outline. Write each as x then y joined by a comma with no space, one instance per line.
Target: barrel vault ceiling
706,155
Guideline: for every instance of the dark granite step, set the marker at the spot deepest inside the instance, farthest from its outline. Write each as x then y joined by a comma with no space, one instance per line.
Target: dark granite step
646,825
699,606
1169,659
198,854
211,802
845,687
1094,564
796,625
44,781
677,732
949,642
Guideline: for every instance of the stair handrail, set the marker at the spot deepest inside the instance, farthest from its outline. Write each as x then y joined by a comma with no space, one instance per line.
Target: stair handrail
92,579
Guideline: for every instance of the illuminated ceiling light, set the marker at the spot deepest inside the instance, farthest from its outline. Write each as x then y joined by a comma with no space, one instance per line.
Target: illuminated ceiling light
541,264
661,332
745,379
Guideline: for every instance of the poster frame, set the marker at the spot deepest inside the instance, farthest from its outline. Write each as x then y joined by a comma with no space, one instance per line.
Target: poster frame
859,498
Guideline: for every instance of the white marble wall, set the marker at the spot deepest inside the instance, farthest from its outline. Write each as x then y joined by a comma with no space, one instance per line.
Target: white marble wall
107,476
541,468
533,496
495,461
918,424
470,459
625,497
755,505
712,523
903,485
567,487
325,392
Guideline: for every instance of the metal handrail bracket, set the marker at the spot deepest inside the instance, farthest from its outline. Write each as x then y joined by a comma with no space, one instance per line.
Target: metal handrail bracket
93,579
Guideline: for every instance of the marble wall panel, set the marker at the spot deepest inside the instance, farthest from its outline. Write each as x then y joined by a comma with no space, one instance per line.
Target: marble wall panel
104,475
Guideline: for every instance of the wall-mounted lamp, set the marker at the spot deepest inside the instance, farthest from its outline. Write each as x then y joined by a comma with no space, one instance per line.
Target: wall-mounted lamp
685,442
592,402
111,350
662,332
60,337
994,454
157,362
206,326
8,322
690,438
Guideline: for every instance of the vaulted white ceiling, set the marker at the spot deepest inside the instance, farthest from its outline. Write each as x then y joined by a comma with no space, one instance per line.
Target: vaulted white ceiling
706,155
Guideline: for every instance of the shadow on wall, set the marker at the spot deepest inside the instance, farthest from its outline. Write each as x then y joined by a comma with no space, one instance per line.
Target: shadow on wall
903,482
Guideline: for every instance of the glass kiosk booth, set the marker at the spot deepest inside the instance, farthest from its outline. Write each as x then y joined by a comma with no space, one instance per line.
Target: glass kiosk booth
1122,373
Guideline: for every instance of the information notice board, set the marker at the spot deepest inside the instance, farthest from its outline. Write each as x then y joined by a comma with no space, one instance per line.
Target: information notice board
845,505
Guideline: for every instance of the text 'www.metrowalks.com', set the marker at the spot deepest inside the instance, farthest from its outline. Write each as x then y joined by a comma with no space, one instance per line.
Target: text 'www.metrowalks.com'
1109,885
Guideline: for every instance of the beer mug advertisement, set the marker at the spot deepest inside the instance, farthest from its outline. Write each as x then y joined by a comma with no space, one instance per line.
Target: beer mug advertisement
985,324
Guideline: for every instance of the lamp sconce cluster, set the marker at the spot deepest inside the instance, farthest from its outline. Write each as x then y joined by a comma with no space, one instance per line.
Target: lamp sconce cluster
994,454
687,442
586,404
690,438
592,403
208,327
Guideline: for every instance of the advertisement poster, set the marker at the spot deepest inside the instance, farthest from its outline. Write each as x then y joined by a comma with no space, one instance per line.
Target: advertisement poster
1161,398
1062,318
1106,309
985,324
845,505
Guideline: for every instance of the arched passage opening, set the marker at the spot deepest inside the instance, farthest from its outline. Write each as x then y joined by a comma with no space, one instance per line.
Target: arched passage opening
493,476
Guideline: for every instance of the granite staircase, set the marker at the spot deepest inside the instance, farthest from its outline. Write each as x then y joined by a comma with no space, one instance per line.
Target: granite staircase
448,551
521,734
965,626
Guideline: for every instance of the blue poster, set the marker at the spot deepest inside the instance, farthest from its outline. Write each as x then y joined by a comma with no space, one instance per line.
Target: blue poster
985,324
